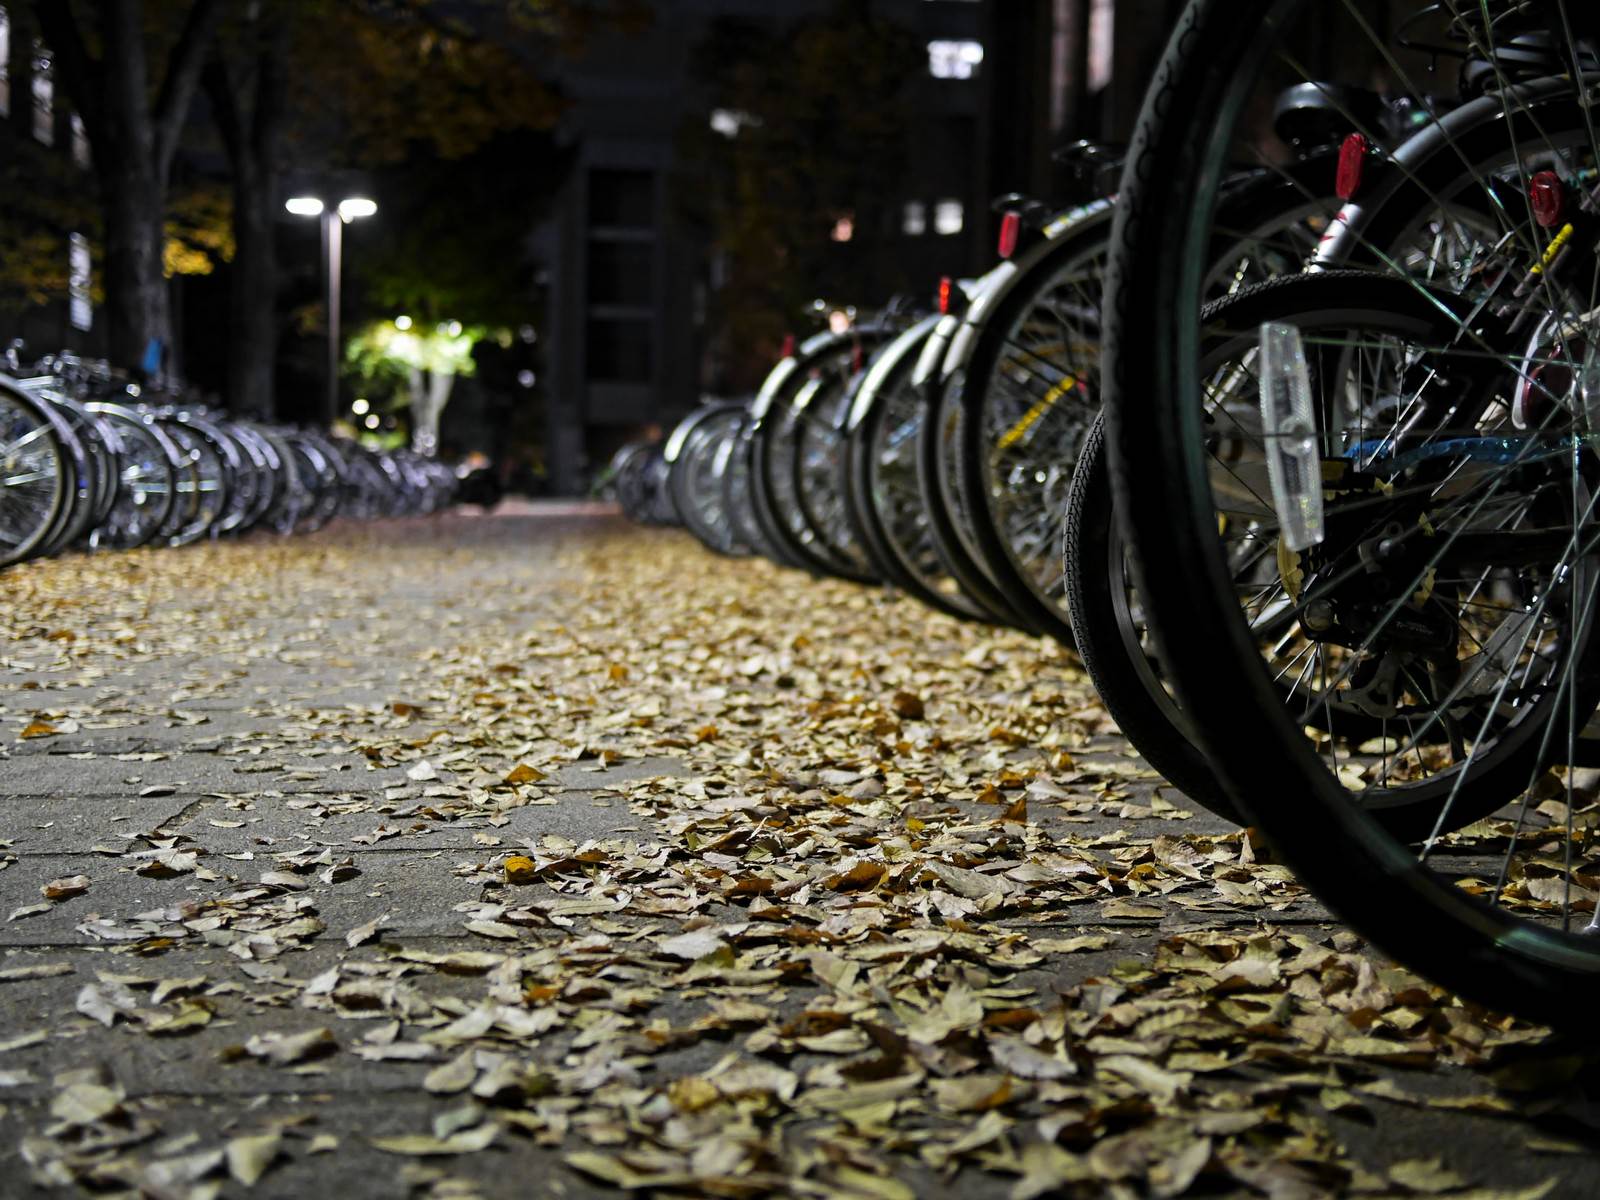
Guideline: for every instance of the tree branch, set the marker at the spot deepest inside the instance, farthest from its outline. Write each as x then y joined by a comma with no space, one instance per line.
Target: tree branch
272,92
218,83
184,67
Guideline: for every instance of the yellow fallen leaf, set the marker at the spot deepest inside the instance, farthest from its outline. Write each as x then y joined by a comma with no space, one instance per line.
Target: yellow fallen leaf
521,869
523,773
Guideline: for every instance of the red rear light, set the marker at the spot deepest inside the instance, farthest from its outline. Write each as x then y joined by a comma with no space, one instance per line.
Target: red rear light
788,345
946,291
1010,233
1352,166
1548,197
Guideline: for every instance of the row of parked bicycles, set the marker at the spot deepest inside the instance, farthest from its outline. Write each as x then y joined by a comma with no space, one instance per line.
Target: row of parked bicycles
89,459
1296,439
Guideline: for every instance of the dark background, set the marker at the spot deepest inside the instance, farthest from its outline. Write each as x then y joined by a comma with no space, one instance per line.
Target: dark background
656,242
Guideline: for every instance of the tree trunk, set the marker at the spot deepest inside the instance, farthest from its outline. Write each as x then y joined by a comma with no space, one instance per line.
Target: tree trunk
133,150
137,301
430,392
253,293
247,102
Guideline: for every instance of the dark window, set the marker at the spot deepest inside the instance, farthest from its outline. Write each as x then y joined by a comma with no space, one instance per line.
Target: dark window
622,199
620,351
622,273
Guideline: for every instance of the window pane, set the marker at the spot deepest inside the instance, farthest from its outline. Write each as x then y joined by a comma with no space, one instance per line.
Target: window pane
621,273
5,63
953,59
622,199
914,223
1101,45
949,217
619,351
44,96
80,142
80,273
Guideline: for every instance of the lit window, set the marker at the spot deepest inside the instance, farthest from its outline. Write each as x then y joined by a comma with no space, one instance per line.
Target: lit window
5,63
1101,44
80,274
949,217
914,223
80,141
954,60
729,121
44,96
844,228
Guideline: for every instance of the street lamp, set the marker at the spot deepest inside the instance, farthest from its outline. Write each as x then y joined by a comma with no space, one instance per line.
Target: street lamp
351,208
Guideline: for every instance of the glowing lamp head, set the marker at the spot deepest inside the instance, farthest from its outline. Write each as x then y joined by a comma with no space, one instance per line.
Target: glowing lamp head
304,206
356,207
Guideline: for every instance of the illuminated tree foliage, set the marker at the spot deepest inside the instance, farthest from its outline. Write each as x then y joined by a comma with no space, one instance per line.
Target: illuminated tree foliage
42,201
416,367
375,84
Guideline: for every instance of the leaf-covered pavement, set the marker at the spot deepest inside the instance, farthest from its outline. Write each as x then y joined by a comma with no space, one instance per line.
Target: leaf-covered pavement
540,856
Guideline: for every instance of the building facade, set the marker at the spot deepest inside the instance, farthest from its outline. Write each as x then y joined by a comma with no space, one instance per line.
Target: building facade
626,284
45,183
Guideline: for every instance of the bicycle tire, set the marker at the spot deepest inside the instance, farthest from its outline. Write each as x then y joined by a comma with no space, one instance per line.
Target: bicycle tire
1184,131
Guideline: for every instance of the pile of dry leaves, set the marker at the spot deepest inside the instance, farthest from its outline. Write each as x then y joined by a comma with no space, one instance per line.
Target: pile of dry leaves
882,906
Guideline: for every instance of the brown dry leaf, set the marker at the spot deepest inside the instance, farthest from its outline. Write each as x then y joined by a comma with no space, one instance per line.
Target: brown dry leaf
908,706
858,875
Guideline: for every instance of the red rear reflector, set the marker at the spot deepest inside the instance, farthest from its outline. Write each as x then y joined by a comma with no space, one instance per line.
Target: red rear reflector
1352,166
1010,233
946,290
1548,197
857,359
788,345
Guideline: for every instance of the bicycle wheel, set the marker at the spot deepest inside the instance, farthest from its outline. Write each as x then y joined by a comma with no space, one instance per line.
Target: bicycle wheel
1031,376
939,477
146,490
34,475
739,498
1113,639
881,486
1030,393
821,410
788,455
1484,916
202,489
694,475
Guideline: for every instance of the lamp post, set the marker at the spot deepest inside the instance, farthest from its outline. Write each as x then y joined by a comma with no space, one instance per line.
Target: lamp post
333,220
